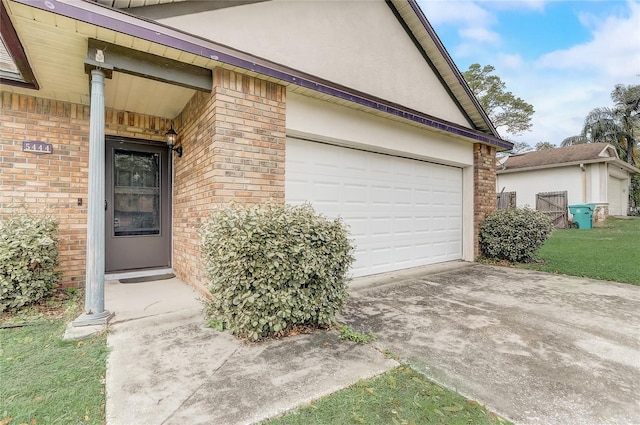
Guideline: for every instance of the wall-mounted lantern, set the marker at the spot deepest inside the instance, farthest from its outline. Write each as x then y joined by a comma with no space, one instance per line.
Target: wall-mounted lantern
171,137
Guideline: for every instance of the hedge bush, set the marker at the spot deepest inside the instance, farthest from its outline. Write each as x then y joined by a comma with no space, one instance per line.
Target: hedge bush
274,266
28,259
514,234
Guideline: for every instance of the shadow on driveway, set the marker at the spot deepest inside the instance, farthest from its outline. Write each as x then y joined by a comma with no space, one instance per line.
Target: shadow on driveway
534,347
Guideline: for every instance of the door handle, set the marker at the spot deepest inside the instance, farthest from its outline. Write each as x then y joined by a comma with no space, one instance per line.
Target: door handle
105,204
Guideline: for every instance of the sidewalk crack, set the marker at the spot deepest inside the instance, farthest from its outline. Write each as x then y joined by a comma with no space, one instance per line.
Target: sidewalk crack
199,386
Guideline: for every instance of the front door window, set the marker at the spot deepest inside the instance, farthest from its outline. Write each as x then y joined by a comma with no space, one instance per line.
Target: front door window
136,193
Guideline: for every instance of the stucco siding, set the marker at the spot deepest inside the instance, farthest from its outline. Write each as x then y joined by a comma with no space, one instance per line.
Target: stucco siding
527,183
308,118
359,44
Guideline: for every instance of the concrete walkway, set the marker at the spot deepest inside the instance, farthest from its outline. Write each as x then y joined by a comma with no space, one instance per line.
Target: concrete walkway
533,347
165,367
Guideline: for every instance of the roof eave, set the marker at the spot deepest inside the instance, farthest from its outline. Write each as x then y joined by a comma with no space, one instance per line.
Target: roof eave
450,65
609,159
630,168
119,21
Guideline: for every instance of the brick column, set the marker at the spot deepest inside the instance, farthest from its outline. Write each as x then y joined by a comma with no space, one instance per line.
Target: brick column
249,139
234,151
484,188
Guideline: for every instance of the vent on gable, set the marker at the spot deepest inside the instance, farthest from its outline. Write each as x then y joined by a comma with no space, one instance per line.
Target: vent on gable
8,67
14,66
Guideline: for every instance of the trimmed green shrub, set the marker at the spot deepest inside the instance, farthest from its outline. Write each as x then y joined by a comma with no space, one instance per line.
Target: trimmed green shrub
514,234
28,259
272,267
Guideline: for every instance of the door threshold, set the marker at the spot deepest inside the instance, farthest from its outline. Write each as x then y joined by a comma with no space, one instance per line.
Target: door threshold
137,273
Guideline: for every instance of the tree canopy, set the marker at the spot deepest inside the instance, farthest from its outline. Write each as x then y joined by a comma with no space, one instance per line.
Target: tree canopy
618,125
521,147
545,145
503,107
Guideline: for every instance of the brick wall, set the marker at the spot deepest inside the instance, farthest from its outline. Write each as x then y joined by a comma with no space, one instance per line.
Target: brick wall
484,187
54,182
234,150
234,147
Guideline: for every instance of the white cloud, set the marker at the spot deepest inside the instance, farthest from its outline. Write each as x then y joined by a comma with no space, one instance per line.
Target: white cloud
515,5
564,85
510,61
561,102
480,34
613,51
456,12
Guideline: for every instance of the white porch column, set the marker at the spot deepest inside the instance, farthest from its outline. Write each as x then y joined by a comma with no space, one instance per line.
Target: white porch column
94,312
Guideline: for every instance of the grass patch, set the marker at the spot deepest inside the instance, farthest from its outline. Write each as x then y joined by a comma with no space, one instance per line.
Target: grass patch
400,396
46,380
610,252
348,334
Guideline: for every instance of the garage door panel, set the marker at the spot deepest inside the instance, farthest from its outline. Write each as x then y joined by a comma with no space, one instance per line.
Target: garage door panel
439,224
381,195
327,192
402,196
403,226
355,194
454,223
615,196
422,196
439,249
422,225
382,227
400,212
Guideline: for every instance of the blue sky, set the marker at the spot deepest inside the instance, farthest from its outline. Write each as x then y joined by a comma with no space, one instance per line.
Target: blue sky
563,57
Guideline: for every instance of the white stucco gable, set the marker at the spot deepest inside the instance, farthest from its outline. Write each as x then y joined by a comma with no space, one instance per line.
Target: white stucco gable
357,44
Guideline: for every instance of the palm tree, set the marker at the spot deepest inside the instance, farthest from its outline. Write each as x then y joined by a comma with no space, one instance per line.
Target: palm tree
618,126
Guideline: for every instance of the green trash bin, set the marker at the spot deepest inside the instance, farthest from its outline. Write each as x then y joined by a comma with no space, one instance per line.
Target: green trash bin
583,215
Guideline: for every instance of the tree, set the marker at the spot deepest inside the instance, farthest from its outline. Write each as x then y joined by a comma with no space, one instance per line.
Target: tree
618,126
544,145
521,147
503,108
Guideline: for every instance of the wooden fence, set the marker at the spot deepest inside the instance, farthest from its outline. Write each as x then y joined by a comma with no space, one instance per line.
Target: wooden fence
554,204
506,200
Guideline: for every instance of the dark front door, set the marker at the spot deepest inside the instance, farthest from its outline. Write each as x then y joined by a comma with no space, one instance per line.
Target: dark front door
137,211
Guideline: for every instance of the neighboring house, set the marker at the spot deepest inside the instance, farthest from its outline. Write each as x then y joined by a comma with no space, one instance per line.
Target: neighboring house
353,106
588,173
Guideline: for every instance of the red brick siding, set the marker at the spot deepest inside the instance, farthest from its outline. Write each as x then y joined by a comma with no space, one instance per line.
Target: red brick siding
484,187
53,183
234,147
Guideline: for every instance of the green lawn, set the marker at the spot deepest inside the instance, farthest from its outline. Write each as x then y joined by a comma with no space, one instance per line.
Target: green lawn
400,396
45,380
611,252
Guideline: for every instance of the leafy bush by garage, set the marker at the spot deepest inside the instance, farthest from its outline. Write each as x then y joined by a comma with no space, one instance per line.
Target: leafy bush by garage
272,267
28,259
514,234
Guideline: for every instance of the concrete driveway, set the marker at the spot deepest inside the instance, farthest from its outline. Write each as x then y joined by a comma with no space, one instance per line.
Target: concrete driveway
533,347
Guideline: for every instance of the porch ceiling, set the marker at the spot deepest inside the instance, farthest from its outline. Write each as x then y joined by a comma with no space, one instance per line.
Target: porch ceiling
57,48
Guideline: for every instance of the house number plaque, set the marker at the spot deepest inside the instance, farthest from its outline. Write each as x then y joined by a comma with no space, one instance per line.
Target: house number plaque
39,148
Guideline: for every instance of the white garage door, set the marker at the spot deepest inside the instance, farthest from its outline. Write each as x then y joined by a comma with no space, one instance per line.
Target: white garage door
616,196
402,213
